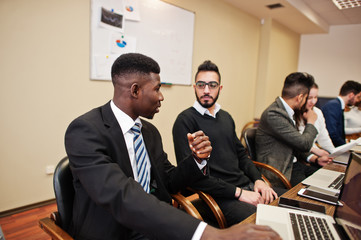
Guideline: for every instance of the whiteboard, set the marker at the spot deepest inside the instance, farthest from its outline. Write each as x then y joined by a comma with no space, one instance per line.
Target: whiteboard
154,28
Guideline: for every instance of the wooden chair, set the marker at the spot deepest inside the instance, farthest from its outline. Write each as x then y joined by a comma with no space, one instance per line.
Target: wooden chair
188,205
249,137
353,136
57,225
249,124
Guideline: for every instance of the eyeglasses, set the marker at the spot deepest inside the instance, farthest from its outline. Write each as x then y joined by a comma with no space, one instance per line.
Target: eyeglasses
211,85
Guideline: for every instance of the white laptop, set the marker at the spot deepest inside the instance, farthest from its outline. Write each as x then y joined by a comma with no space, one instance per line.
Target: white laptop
297,224
326,179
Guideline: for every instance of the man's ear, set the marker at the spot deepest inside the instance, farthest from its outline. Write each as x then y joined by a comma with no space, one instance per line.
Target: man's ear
135,90
300,97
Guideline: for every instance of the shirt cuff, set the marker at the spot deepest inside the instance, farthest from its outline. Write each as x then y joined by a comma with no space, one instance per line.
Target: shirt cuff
199,231
309,157
202,164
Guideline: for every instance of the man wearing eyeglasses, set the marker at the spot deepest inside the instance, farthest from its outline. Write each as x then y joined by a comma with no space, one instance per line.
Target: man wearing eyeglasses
237,185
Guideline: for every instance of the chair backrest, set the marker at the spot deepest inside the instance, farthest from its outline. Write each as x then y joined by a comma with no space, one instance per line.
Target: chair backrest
64,192
250,139
249,124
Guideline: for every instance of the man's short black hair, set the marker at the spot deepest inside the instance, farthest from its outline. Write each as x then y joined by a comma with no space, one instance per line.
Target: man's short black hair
350,87
208,66
133,63
297,83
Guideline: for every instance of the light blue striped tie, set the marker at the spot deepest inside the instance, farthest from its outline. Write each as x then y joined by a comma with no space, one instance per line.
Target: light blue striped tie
141,153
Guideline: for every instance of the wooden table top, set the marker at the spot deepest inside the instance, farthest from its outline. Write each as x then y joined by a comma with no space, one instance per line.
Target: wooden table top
292,193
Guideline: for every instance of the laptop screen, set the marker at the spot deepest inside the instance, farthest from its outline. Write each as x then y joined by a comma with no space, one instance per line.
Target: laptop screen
350,213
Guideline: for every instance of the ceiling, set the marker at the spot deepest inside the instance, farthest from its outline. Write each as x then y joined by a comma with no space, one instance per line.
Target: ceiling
302,16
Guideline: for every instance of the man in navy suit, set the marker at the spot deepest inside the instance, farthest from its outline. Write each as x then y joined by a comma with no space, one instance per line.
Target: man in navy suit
109,202
333,111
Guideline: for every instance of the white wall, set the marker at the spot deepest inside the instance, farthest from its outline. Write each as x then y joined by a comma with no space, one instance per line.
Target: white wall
44,66
332,58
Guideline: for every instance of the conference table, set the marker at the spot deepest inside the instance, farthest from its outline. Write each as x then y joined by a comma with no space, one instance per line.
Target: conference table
292,194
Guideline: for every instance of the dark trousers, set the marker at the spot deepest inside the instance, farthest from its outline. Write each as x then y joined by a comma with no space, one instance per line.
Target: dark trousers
137,236
233,210
301,171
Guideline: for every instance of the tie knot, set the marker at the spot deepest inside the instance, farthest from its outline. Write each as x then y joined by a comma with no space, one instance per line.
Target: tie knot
136,129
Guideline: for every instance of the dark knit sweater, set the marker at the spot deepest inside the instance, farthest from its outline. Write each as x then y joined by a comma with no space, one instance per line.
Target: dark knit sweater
229,165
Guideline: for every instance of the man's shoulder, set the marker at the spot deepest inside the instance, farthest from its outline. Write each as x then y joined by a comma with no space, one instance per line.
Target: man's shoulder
331,104
94,113
274,105
148,126
189,112
93,119
221,111
276,108
224,114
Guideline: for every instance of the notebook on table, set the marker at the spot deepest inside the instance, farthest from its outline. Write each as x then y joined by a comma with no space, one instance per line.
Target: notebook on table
343,158
346,221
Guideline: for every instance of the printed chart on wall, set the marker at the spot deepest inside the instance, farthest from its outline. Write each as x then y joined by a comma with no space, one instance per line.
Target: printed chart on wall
154,28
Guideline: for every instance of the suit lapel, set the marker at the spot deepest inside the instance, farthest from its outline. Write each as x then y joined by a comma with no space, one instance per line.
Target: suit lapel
342,118
156,183
116,134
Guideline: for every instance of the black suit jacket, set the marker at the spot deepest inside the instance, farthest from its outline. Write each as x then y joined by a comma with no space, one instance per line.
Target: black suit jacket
108,202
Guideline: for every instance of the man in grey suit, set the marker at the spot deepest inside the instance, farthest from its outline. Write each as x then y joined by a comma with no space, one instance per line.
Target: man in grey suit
278,141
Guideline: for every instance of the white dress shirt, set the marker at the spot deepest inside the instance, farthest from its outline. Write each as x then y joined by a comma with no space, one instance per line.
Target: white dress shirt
291,114
202,110
289,110
322,138
342,102
353,121
126,123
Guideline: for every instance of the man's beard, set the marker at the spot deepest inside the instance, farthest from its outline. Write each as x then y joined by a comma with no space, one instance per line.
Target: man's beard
207,104
298,117
351,102
303,108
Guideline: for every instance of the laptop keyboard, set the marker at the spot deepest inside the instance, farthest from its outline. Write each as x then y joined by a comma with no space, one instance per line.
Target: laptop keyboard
355,233
337,183
308,227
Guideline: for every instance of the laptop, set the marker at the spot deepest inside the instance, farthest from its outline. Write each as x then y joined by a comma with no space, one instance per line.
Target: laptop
343,158
297,224
327,179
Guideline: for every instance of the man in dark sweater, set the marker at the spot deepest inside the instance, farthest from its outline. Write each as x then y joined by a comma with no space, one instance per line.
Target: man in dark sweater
237,185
